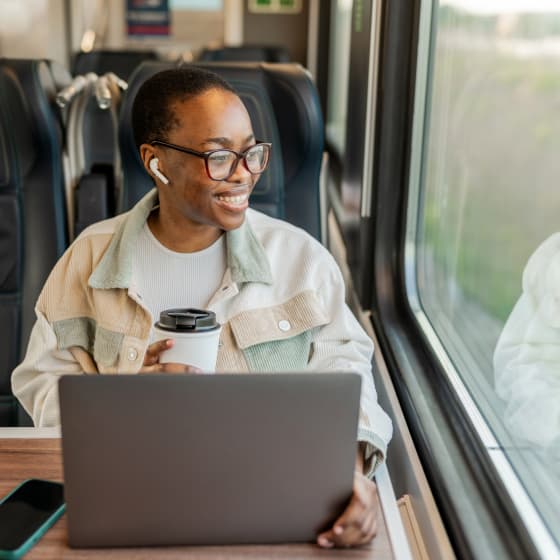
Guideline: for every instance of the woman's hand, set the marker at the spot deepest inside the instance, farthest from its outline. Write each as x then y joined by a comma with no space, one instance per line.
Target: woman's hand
358,523
151,360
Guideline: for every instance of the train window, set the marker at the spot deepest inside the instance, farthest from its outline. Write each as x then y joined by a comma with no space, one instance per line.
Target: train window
196,23
22,19
484,199
350,126
204,5
339,59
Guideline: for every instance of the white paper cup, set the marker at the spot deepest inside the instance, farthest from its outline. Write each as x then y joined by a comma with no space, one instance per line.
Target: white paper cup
196,334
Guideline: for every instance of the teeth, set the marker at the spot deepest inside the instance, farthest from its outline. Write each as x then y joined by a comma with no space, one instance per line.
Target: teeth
239,199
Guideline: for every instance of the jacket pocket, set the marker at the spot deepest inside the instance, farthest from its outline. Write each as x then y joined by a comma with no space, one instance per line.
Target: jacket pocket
278,338
100,343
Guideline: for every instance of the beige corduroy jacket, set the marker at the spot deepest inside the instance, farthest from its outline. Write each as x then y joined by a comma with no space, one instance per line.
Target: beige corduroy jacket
281,306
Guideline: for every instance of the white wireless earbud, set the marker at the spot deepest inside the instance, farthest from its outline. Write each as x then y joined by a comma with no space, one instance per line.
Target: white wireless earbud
157,172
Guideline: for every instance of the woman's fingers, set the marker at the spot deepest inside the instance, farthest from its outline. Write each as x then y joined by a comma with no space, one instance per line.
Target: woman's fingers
153,365
170,368
154,350
178,368
358,523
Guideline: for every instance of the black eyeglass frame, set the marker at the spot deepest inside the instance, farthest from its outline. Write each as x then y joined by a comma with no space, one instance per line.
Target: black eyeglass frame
206,155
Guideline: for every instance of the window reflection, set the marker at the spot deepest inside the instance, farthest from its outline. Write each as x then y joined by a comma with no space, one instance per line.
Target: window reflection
527,356
488,200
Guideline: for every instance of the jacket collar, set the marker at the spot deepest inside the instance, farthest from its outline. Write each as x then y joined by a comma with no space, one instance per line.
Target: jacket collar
246,257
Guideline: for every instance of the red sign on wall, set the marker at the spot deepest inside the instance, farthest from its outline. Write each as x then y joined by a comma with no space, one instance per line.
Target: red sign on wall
147,17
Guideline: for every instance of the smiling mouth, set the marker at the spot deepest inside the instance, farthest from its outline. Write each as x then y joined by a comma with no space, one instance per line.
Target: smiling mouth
237,199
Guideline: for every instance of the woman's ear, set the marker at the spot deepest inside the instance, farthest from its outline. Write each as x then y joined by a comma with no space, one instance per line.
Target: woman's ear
151,163
147,152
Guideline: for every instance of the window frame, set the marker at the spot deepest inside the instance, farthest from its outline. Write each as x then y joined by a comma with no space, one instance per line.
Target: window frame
536,527
486,512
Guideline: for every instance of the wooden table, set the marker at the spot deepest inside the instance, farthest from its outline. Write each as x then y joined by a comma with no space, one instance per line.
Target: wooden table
22,458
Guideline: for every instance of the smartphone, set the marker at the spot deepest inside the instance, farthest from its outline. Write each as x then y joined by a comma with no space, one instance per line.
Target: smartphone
27,513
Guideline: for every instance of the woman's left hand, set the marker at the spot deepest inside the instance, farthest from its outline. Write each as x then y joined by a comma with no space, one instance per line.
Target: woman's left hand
358,523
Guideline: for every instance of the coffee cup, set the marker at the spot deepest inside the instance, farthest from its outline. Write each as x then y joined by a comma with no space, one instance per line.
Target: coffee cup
196,334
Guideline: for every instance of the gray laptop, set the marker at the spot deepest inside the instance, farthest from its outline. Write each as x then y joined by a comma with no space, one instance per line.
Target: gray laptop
206,459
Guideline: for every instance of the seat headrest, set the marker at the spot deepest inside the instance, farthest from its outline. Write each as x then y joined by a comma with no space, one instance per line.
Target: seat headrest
19,153
121,62
39,80
245,53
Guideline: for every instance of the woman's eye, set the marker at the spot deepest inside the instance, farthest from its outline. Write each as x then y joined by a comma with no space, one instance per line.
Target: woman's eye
221,158
254,152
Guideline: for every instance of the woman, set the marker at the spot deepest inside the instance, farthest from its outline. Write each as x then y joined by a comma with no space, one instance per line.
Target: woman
192,242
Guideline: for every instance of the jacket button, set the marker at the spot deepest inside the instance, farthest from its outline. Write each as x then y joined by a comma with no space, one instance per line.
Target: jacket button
132,354
284,325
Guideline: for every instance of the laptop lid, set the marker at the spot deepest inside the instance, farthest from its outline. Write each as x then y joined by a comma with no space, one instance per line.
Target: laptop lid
206,459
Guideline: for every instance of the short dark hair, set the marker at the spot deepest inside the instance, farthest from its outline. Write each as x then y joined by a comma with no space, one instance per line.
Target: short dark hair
152,117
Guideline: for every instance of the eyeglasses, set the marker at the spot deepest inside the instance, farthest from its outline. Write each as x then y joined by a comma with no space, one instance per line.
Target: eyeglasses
221,164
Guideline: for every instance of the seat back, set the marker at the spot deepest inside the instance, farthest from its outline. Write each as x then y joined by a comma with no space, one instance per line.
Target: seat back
121,62
92,103
284,108
244,53
33,232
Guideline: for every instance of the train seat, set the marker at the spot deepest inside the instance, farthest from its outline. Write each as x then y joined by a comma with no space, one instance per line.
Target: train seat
284,107
94,162
244,53
33,232
121,62
93,155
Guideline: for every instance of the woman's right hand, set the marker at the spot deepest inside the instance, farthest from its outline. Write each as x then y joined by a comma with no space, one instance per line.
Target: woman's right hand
152,364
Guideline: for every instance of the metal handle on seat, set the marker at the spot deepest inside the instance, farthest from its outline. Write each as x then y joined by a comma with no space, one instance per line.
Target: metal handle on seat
66,95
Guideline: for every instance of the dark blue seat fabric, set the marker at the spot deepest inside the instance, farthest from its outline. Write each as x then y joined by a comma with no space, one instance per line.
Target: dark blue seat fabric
33,227
285,110
121,62
244,53
95,167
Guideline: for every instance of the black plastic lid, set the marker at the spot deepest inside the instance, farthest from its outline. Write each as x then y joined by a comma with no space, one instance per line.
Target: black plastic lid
187,320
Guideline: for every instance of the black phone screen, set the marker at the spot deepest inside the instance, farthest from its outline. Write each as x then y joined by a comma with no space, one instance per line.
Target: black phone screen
23,512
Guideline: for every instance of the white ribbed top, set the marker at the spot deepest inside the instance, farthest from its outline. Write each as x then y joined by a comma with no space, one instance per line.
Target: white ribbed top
166,279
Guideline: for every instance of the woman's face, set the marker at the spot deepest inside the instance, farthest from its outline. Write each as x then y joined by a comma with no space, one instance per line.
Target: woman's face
215,119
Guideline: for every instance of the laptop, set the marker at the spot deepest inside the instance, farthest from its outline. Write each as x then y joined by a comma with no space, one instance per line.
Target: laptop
206,459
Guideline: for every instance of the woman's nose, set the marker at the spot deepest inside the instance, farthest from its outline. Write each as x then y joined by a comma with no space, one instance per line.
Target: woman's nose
241,174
